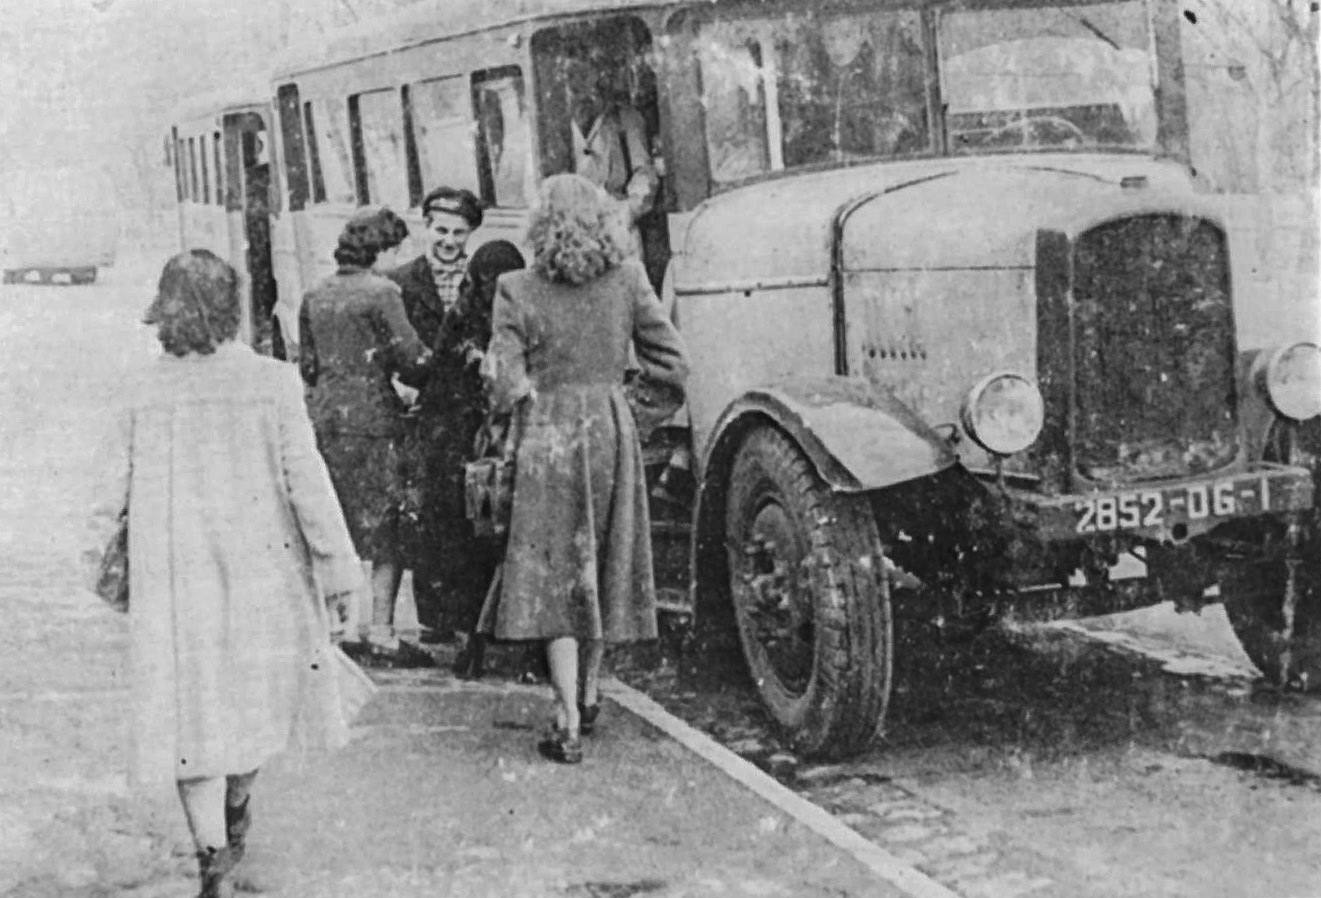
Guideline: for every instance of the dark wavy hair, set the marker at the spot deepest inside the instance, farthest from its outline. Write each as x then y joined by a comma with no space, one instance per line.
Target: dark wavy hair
368,234
197,303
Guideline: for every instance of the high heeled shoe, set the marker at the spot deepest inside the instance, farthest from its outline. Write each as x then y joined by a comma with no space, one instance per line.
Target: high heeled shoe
587,715
238,820
471,662
213,868
561,748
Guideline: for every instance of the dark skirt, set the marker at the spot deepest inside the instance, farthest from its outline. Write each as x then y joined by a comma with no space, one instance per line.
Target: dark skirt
368,475
452,568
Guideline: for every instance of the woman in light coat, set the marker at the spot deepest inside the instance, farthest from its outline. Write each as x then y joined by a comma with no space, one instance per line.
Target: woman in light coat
235,536
578,566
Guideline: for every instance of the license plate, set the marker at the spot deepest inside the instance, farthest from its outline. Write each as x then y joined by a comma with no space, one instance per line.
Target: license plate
1140,509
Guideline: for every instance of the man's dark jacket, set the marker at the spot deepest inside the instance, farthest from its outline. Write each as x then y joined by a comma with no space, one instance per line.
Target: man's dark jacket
421,301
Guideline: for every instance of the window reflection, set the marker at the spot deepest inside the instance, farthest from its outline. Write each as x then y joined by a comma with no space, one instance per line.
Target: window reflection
809,88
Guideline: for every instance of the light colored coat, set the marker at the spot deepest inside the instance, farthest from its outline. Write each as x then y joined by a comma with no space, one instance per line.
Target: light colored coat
233,525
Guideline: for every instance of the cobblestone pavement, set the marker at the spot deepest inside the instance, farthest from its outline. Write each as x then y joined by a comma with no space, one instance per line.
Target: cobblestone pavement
1133,759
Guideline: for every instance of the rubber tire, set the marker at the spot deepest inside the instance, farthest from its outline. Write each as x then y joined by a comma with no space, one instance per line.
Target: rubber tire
843,706
1253,594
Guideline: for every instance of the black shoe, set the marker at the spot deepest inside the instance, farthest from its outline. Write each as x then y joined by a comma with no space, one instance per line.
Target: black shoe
534,668
238,820
410,655
560,748
587,715
471,662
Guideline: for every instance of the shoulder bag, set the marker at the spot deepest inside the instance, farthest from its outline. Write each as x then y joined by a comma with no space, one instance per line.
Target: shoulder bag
488,480
112,575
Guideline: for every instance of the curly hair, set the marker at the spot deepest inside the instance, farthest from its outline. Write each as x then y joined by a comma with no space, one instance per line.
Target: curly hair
367,234
576,231
197,303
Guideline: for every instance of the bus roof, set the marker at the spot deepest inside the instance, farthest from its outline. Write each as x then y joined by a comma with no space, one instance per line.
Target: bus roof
222,100
431,21
436,19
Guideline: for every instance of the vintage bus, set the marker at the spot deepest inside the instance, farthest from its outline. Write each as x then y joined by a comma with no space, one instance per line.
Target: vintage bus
962,327
230,199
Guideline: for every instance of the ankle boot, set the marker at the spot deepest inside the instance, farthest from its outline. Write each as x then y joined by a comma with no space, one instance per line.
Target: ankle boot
213,868
238,820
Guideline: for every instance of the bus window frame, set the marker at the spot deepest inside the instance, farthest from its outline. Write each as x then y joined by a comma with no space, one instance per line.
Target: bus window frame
467,121
192,169
331,112
206,169
362,171
220,179
486,180
176,146
316,177
286,132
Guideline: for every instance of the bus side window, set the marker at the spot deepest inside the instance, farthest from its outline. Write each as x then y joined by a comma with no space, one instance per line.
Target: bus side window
330,134
377,126
440,115
504,143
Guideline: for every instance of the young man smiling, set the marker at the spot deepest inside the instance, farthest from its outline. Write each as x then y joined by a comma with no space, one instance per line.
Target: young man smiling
430,283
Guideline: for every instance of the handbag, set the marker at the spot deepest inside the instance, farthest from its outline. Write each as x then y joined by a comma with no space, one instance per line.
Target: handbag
112,574
488,480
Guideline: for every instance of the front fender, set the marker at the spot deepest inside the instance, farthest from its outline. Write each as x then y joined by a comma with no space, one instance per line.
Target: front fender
858,437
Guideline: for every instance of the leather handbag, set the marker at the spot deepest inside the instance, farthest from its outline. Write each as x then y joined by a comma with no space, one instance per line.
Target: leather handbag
112,575
488,480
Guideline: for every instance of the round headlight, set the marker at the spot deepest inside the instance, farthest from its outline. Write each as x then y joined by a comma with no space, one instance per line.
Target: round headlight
1293,381
1003,413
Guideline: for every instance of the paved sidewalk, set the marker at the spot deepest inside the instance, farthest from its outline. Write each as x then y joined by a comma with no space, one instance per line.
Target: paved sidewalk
442,793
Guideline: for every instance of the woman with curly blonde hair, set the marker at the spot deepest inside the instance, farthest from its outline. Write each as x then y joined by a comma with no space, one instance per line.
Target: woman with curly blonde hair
578,567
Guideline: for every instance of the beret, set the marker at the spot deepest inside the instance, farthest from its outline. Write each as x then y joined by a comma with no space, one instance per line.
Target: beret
455,201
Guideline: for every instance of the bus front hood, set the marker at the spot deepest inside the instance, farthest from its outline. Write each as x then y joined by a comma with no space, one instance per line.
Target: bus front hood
918,214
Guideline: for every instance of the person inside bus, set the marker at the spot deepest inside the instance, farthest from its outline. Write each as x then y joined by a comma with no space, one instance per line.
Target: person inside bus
430,286
610,144
355,339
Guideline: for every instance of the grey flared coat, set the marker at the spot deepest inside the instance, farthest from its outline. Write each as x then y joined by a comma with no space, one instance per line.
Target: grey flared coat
579,560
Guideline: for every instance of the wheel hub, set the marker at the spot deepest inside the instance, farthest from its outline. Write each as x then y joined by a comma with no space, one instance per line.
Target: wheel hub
778,602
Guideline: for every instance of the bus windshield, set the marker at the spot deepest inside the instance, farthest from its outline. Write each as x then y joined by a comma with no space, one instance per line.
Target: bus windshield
811,87
1058,77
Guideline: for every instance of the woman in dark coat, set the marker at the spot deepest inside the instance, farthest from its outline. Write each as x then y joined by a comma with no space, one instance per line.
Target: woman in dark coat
578,567
457,567
355,337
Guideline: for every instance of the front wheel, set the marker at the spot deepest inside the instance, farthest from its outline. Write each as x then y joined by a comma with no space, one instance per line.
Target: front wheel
811,598
1254,596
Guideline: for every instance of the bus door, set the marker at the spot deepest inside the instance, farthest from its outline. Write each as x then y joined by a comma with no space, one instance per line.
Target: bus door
583,71
250,206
